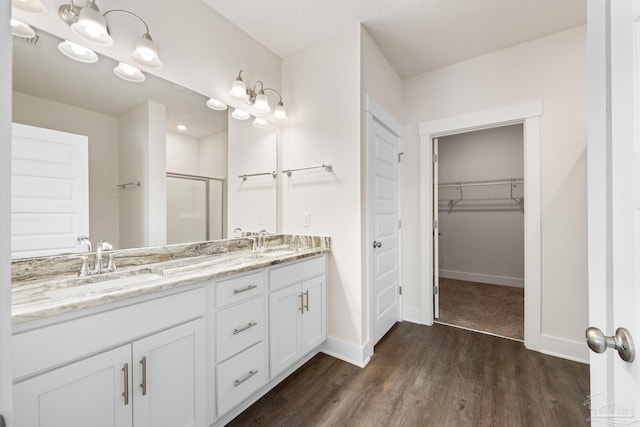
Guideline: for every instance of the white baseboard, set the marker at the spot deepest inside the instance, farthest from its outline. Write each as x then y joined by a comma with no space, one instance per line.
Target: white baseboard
482,278
566,349
346,351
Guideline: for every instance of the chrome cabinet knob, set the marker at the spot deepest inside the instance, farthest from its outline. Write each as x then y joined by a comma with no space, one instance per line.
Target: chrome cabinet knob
621,341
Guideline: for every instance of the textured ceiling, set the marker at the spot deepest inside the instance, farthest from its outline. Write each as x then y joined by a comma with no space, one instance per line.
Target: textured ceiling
414,35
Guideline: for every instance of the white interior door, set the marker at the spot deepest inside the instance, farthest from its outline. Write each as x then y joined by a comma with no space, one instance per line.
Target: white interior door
614,181
49,191
384,226
436,253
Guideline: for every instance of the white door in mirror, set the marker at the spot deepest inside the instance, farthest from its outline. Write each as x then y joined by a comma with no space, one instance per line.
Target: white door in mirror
49,191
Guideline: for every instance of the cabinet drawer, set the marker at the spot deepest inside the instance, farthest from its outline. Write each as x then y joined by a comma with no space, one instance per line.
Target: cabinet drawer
239,377
239,327
296,272
238,289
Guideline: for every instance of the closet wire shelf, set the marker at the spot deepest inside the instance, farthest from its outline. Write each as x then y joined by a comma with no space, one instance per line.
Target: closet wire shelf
452,193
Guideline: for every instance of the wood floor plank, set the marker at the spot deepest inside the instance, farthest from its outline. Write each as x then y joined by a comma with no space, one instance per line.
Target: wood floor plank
430,376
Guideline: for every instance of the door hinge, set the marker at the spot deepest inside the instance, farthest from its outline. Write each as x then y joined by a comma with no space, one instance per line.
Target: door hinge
399,223
435,290
435,223
400,156
400,289
435,158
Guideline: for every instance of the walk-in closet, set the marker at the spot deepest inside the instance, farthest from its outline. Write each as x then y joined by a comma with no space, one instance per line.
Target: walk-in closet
479,258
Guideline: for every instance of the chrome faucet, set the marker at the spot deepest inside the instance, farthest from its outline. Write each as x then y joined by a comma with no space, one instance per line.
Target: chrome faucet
261,242
98,266
84,241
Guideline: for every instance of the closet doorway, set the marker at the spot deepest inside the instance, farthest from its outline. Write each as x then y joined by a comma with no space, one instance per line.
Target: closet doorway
478,253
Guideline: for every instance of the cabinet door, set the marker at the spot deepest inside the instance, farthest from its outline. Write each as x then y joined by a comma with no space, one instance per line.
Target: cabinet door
313,317
86,393
285,325
169,377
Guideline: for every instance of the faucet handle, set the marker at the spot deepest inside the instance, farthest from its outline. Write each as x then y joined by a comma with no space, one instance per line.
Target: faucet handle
84,270
111,265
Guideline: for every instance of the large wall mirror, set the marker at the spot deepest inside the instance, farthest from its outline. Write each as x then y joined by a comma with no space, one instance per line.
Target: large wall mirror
196,193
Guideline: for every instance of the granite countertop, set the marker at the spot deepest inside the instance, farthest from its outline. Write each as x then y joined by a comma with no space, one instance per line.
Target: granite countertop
50,296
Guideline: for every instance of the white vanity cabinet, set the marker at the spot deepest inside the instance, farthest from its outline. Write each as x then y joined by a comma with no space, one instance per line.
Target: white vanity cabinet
297,311
151,379
240,335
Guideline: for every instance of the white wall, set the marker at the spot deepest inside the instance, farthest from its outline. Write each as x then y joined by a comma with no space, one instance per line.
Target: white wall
482,238
102,131
142,148
552,69
322,84
183,154
5,215
214,154
251,204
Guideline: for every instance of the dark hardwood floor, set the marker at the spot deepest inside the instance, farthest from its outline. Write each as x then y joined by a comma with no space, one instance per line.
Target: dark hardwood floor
430,376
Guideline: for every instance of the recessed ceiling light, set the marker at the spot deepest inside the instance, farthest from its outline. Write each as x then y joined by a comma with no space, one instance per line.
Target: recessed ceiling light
181,127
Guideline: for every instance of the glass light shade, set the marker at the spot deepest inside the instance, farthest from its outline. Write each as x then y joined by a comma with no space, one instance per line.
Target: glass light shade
129,73
146,52
32,6
280,114
261,105
214,104
77,52
92,26
22,29
239,90
240,114
261,123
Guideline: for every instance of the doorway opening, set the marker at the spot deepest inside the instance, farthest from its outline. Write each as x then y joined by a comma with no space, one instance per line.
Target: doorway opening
478,211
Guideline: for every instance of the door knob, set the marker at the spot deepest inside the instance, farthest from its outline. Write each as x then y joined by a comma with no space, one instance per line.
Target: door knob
377,244
621,341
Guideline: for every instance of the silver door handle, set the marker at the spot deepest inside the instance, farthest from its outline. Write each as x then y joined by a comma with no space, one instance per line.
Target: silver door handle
621,341
377,244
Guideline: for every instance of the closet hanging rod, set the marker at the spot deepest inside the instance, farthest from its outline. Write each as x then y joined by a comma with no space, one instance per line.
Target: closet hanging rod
244,177
326,167
481,183
128,185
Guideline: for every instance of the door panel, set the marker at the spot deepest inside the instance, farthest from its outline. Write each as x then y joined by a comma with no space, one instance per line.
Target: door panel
384,220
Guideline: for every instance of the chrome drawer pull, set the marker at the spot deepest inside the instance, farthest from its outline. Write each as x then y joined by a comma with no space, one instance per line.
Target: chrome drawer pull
125,393
239,381
143,385
306,293
244,328
248,288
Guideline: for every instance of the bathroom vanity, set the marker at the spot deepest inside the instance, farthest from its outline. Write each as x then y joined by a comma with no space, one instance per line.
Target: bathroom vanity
168,340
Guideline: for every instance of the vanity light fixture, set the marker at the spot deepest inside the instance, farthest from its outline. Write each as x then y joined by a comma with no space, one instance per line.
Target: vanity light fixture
129,73
88,23
256,97
77,52
181,127
240,114
214,104
261,123
22,29
32,6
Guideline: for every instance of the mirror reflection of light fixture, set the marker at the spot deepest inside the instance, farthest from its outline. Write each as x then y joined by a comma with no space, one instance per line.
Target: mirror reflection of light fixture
257,98
240,114
77,52
214,104
88,23
261,123
129,73
32,6
22,29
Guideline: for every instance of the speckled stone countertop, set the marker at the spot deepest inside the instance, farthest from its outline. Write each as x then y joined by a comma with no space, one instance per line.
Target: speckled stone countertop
48,286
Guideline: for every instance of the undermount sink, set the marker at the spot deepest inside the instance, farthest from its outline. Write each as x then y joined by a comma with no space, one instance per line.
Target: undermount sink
277,252
108,283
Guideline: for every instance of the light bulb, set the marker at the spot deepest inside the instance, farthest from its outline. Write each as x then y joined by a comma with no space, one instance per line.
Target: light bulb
280,114
239,90
76,48
261,104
